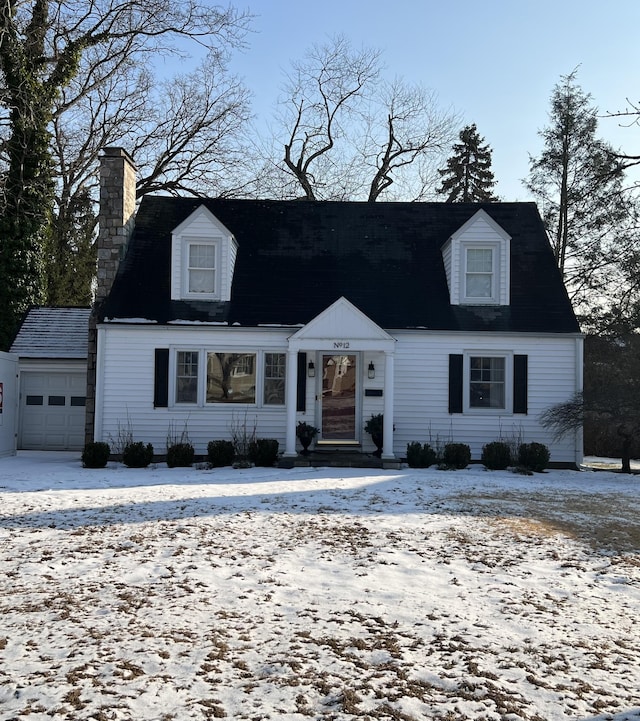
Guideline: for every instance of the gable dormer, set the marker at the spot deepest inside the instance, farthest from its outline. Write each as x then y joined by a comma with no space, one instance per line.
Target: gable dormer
477,262
203,257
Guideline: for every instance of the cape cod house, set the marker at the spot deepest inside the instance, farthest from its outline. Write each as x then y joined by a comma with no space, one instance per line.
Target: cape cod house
450,319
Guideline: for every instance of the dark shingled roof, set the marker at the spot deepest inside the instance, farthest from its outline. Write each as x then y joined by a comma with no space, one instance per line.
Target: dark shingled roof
295,258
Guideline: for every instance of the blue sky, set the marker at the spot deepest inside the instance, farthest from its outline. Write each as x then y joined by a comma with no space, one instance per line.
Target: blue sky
494,62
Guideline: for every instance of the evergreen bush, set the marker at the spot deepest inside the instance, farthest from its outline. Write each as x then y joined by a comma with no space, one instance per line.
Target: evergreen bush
456,455
220,453
180,455
264,452
496,456
420,456
95,454
534,456
137,455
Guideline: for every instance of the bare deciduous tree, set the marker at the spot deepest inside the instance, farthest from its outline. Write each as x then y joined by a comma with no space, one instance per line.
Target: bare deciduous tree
347,134
185,134
322,92
415,126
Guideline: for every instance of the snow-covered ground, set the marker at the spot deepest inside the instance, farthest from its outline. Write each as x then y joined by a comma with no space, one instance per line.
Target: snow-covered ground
316,593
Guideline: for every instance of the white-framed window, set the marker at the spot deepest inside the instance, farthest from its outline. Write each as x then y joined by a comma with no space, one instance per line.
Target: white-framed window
480,282
486,381
489,382
187,373
479,274
275,368
209,377
201,269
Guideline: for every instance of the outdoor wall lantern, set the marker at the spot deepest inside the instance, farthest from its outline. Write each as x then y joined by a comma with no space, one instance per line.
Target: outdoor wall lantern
371,372
311,370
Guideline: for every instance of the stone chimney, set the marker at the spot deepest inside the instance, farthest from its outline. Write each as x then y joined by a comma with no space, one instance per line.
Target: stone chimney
116,216
115,224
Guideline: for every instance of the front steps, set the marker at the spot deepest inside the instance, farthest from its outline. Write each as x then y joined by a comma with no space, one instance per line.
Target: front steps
333,458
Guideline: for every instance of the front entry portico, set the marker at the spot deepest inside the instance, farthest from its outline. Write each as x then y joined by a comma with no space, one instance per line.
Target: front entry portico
344,387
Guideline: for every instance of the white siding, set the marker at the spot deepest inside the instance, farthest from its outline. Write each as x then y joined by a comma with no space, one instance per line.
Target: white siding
447,260
125,393
9,403
422,391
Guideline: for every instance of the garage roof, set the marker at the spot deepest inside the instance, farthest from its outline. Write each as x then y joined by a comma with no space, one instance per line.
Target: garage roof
53,333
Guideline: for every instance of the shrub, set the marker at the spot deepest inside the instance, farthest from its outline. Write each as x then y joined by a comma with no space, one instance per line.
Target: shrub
264,452
534,456
95,454
243,434
137,455
456,455
180,455
496,456
220,453
420,456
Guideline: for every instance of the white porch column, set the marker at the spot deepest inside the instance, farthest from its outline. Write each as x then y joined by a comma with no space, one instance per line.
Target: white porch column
387,437
291,399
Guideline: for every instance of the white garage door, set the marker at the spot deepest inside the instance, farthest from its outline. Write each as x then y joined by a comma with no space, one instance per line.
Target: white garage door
52,409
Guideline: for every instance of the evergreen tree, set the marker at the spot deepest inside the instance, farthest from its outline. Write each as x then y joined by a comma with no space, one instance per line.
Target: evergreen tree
468,177
578,182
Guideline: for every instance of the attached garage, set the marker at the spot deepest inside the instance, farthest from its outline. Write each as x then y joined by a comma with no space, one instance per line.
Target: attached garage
52,350
52,407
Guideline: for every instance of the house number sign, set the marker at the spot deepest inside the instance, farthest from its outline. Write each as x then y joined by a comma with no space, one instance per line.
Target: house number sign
341,344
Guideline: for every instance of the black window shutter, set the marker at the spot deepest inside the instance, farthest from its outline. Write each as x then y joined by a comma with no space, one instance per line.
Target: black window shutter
520,383
455,383
161,378
301,402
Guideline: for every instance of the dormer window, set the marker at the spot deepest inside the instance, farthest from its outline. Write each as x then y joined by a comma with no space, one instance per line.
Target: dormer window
201,268
477,263
480,271
203,258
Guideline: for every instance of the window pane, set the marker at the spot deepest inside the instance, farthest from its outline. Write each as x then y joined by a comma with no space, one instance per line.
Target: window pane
201,281
480,260
78,401
202,261
201,256
56,400
478,286
231,377
274,378
487,382
34,400
187,377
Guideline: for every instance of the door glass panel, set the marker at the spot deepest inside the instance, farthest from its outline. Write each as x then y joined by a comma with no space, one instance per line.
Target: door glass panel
339,397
